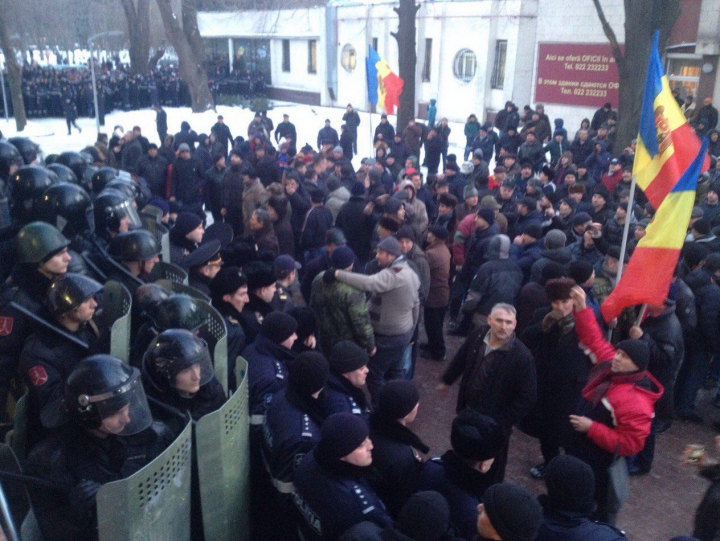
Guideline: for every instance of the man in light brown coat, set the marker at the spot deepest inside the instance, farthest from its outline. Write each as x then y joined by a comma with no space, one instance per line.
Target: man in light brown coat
436,303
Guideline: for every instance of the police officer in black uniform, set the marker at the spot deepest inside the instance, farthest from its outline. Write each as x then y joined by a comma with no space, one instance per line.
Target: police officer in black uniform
109,434
178,373
27,185
185,236
145,302
348,372
48,356
114,214
261,289
287,293
41,255
229,295
203,265
137,252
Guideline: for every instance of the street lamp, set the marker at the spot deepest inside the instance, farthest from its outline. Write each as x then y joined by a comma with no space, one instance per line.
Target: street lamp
91,42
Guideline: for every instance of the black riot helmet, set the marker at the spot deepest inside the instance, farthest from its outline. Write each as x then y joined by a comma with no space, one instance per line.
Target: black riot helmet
174,351
146,300
10,160
102,177
86,156
29,151
27,186
37,242
86,181
69,291
128,188
69,208
103,393
5,217
139,245
75,161
77,263
179,312
111,207
50,159
63,172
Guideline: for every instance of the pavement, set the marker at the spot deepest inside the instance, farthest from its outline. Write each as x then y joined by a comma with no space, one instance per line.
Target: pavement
661,504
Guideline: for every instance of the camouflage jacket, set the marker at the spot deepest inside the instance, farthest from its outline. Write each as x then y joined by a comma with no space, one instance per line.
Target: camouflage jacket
342,314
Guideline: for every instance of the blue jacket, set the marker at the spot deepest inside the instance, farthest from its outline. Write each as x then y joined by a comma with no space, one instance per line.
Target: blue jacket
598,163
341,396
572,526
266,372
332,496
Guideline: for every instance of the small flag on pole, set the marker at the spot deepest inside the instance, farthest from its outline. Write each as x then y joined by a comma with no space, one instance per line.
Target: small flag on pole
384,86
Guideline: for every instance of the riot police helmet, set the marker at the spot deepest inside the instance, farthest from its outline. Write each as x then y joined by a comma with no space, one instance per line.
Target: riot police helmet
29,150
178,359
77,263
63,172
147,299
50,159
37,242
139,245
86,180
69,208
179,311
74,161
112,210
127,187
27,185
67,292
10,160
102,177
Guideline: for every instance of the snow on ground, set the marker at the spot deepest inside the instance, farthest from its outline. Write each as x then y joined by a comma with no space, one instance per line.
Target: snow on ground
51,133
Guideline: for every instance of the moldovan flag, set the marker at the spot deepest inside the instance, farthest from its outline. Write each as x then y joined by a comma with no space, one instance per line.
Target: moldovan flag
666,144
384,87
650,270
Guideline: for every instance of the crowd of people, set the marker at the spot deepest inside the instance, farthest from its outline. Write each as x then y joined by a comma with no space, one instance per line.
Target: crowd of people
324,273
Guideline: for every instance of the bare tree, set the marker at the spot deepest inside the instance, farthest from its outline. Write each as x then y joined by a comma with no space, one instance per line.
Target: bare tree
405,37
137,13
642,18
14,70
189,49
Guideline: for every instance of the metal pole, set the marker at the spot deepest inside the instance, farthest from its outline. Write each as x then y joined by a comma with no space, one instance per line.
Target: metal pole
94,85
626,229
2,82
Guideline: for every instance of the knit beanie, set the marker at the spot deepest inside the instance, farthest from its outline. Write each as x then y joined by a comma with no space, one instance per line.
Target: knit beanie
533,230
342,257
390,245
487,214
693,253
392,205
580,271
581,218
475,436
357,189
307,324
341,434
226,282
161,204
347,356
469,191
278,326
425,516
308,373
397,398
405,232
259,274
558,289
513,511
702,226
185,223
570,484
439,231
555,239
637,351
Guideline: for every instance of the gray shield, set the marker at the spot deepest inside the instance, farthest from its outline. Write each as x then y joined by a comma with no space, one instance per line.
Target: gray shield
177,287
216,336
116,306
167,271
17,437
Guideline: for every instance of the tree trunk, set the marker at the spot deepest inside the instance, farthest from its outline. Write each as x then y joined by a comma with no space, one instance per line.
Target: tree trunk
405,37
642,18
155,58
137,13
14,71
190,63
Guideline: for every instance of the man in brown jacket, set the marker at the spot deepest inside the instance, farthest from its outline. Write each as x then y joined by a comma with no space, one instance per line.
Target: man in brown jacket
254,194
436,303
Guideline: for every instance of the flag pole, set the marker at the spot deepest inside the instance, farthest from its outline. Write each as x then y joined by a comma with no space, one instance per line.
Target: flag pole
626,229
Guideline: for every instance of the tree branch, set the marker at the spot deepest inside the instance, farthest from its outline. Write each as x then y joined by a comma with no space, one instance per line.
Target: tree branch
610,34
397,10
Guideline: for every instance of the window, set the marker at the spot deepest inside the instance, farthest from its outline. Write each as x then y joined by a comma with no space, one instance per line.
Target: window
464,65
375,43
428,61
312,56
348,58
286,55
498,74
684,74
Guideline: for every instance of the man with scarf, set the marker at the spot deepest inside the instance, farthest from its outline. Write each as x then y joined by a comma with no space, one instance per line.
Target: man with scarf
616,409
346,383
185,236
229,294
292,429
333,489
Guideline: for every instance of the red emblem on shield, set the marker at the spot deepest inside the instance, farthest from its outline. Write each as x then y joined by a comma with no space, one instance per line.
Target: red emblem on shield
38,376
6,326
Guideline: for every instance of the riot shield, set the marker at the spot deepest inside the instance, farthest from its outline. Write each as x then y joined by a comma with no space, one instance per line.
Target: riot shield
18,437
163,238
14,499
150,217
167,271
223,457
116,307
215,332
152,504
177,287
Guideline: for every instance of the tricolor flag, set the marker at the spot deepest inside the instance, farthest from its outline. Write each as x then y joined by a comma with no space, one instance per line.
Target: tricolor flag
384,87
666,144
649,272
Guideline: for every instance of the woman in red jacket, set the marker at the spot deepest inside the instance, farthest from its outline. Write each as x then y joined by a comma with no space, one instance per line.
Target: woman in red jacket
617,405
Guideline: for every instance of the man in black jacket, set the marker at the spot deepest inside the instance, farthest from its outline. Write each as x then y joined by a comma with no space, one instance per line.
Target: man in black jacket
153,168
356,225
285,129
498,376
213,187
222,133
186,181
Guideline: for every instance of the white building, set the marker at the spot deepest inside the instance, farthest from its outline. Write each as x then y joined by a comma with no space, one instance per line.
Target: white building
473,55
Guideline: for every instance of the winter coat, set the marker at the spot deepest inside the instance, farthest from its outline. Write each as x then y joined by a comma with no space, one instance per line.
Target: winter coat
707,302
412,135
533,152
213,189
471,130
497,280
460,240
417,256
501,384
433,153
581,151
561,255
356,225
507,118
154,171
511,143
707,515
132,152
336,199
329,135
266,239
185,135
386,130
300,204
394,304
231,191
352,120
556,149
254,196
438,259
186,181
475,255
346,143
598,162
317,222
559,525
267,371
525,255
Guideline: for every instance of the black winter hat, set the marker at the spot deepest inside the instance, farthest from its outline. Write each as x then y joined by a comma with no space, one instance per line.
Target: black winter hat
308,372
581,218
226,282
341,434
580,271
513,511
185,223
278,326
637,351
347,356
487,214
425,516
439,232
602,191
693,253
475,436
259,275
357,189
397,398
558,289
307,324
533,230
570,484
702,226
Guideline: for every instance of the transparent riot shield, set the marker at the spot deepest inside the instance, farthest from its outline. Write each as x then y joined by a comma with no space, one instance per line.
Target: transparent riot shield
18,436
215,332
177,287
150,216
116,306
223,457
167,271
152,504
163,237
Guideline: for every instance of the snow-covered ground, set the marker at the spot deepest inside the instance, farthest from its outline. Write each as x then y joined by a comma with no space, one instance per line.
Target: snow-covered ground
51,133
